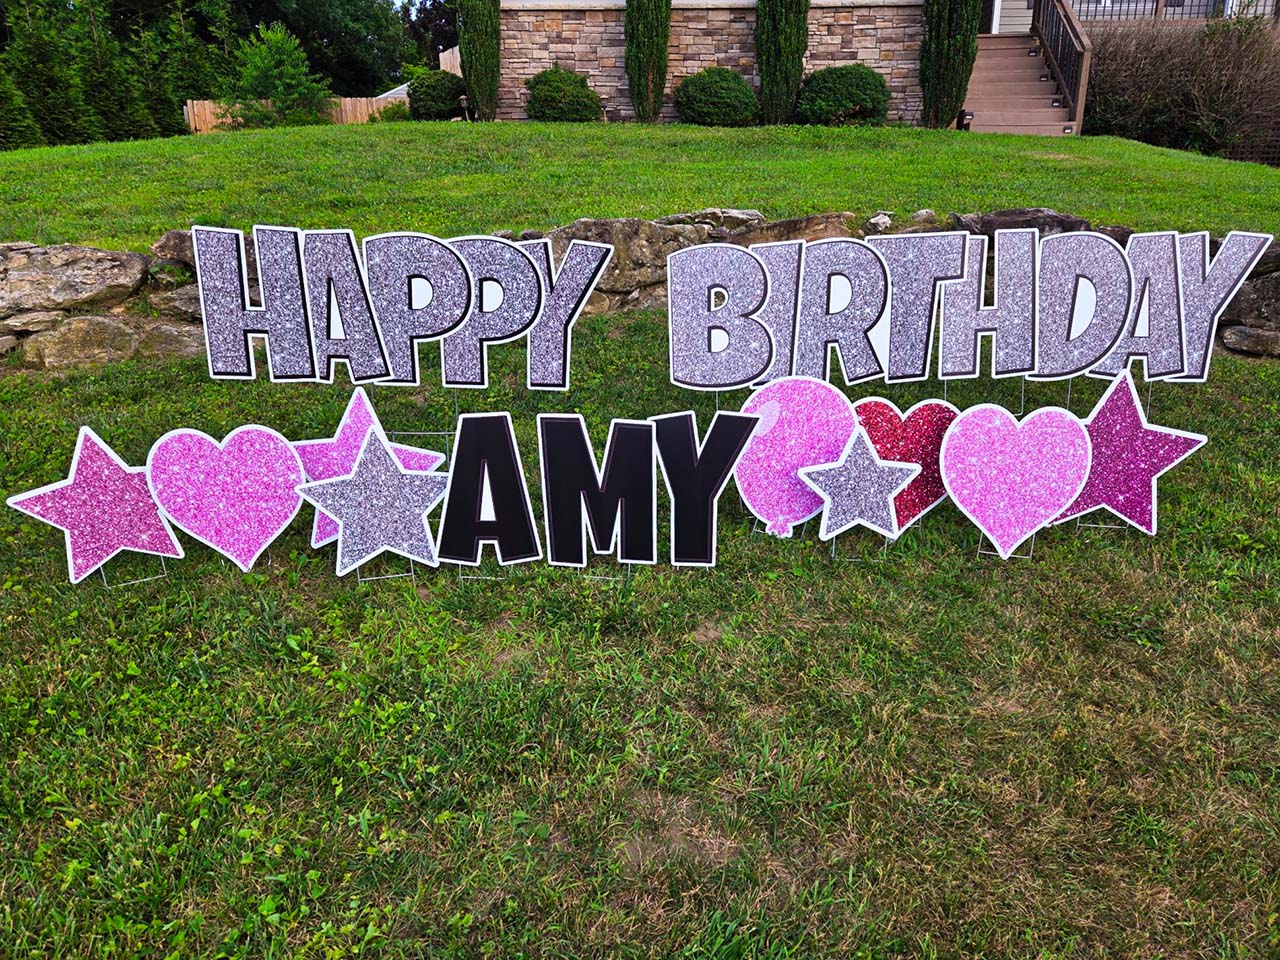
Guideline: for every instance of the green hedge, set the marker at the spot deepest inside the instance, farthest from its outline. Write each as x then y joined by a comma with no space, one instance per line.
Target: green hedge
838,96
434,94
17,127
717,97
561,95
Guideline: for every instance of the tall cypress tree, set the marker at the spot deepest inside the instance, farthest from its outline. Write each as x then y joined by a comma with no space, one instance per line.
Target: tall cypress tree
947,54
110,82
17,127
782,37
41,64
647,30
480,41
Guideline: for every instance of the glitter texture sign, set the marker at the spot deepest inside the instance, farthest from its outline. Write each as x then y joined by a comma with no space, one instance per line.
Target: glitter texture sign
235,496
103,507
803,423
1013,478
913,437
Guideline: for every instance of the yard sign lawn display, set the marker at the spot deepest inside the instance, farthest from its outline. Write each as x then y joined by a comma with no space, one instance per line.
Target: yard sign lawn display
782,318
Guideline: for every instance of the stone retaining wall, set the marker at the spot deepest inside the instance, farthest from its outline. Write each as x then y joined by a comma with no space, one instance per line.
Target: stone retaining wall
587,37
66,306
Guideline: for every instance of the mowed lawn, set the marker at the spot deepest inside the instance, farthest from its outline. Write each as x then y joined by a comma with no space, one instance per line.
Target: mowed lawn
452,179
924,752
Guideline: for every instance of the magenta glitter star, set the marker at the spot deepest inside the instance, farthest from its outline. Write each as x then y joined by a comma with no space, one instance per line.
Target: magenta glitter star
336,457
1128,455
103,507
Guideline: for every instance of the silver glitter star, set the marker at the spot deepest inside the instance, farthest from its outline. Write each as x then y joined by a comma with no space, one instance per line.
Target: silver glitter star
859,489
380,507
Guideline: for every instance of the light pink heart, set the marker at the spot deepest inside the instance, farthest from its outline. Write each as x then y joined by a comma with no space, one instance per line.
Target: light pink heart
1010,478
236,496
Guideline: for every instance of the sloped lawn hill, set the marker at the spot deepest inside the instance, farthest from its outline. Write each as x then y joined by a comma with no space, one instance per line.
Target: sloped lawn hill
936,754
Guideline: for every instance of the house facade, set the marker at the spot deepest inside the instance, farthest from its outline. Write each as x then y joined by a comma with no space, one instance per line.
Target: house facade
587,36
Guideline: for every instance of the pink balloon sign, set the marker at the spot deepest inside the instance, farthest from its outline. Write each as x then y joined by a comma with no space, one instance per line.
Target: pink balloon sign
1013,478
804,422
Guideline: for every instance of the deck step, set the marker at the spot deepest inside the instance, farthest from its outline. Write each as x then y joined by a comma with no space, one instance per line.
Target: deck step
988,88
1039,129
1000,104
994,41
1005,54
1002,119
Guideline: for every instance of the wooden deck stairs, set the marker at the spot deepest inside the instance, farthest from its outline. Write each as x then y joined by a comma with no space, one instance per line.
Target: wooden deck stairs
1012,89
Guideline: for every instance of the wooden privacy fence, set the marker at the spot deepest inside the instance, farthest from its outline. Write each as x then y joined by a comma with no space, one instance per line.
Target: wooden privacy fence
204,116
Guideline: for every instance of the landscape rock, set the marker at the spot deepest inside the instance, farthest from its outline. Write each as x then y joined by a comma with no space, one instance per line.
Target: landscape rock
168,274
1047,221
175,245
818,227
161,339
1120,235
66,277
1260,343
182,303
504,234
80,341
8,343
1257,304
532,234
31,321
726,218
640,249
924,217
882,222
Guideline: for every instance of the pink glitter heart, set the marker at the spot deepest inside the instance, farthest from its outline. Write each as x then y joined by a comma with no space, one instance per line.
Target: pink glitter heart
1010,478
236,496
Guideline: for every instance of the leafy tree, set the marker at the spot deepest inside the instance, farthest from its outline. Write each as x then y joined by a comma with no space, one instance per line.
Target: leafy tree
947,53
432,26
275,86
782,37
17,127
358,45
480,41
646,31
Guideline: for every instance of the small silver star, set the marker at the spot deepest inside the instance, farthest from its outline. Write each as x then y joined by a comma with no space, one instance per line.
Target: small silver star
380,507
859,489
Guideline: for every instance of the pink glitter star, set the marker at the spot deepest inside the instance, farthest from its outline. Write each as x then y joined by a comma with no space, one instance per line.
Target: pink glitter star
336,457
1128,456
103,507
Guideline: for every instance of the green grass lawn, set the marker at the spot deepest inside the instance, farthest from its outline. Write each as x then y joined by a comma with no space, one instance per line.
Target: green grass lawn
452,179
792,755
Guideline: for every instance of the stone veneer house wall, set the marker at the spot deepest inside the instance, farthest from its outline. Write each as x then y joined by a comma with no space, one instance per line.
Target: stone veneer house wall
586,36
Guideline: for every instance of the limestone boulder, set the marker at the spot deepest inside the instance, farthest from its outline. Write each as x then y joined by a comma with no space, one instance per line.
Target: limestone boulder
31,321
1251,340
66,277
820,226
1044,219
182,303
1256,304
81,341
640,248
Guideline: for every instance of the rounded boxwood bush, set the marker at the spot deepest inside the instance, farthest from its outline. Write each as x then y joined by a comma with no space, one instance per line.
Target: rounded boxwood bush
561,95
835,96
433,94
717,97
